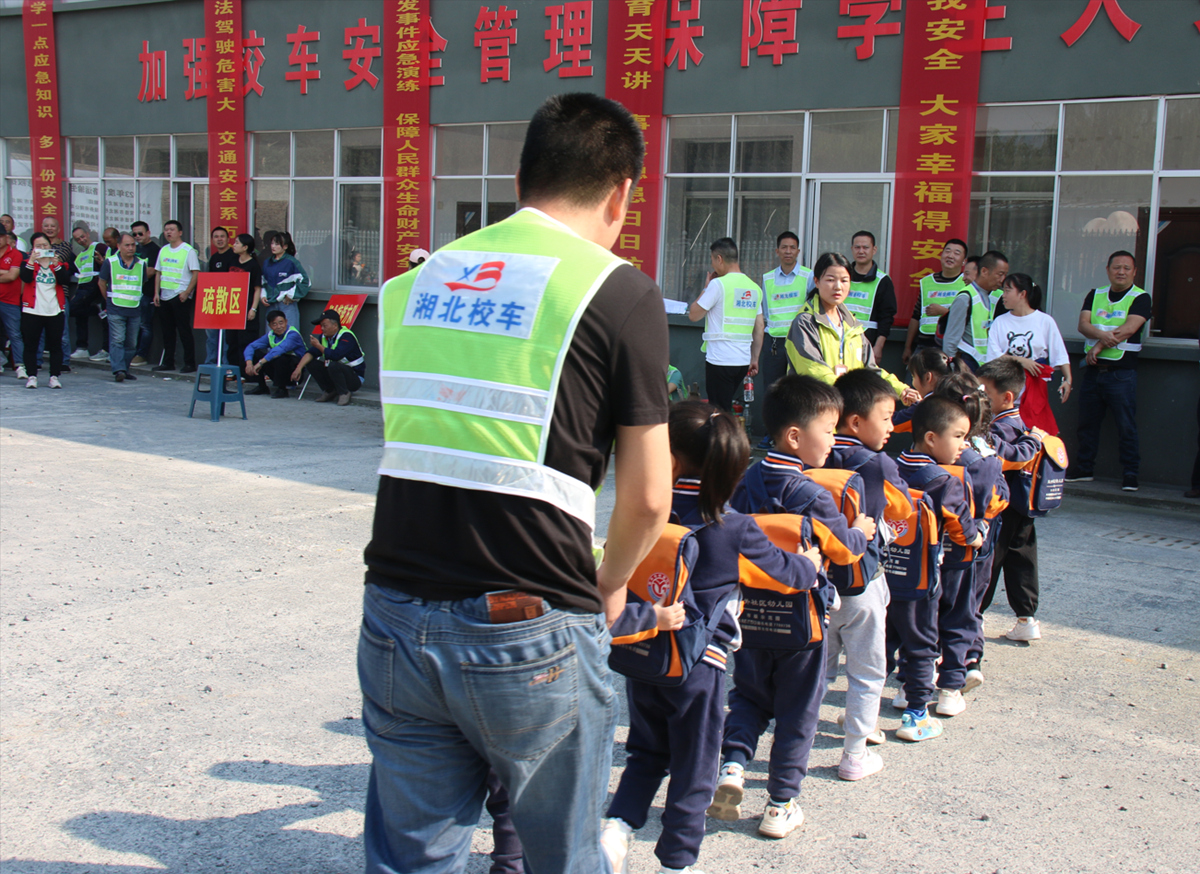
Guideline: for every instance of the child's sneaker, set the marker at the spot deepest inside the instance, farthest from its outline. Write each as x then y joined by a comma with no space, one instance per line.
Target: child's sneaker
615,837
900,702
780,820
54,383
727,800
876,737
856,767
950,702
31,382
917,727
1026,629
974,679
21,372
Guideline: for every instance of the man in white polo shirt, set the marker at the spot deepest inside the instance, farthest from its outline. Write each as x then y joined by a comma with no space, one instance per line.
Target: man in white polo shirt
174,282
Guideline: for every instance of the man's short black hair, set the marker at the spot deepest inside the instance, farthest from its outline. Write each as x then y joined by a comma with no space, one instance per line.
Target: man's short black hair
140,224
992,258
578,148
937,415
276,314
974,259
955,241
1005,373
861,389
797,400
175,222
1121,253
218,228
726,248
858,234
786,235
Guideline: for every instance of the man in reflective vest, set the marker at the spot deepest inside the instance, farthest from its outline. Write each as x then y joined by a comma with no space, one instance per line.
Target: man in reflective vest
87,300
938,291
972,310
275,354
784,289
335,361
731,306
1112,322
122,281
174,282
510,362
872,296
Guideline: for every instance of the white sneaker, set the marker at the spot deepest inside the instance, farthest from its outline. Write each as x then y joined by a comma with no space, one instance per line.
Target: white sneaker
974,680
950,702
780,820
856,767
900,702
615,837
31,382
100,356
21,374
727,800
54,383
688,870
79,355
876,737
1026,629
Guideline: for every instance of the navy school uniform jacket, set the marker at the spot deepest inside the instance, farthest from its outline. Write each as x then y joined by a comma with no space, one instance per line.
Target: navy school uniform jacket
951,501
725,547
1014,446
988,485
885,499
902,418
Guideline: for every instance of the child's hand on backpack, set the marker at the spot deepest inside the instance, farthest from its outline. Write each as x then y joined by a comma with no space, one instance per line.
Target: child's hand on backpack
669,618
812,554
977,542
1039,433
865,524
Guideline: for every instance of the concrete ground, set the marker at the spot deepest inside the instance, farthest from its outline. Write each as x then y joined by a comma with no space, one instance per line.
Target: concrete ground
178,618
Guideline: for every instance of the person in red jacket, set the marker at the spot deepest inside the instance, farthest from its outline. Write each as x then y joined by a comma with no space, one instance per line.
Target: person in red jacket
43,297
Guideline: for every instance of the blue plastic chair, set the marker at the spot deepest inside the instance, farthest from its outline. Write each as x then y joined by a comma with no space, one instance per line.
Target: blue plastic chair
216,395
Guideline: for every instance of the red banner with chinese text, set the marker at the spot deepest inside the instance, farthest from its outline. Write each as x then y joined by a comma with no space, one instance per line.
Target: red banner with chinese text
222,300
939,91
226,120
347,306
408,37
41,84
634,77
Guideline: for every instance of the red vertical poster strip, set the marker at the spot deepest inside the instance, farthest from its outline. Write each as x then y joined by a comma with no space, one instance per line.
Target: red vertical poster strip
226,119
41,84
408,36
939,92
634,77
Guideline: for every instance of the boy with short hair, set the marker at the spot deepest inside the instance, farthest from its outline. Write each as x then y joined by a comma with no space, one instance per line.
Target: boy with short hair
1003,380
940,429
859,622
800,413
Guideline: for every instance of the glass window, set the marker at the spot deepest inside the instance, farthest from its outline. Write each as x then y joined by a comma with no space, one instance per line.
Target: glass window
770,143
273,153
362,151
20,204
1097,215
697,214
893,123
1113,135
270,210
458,208
85,157
85,208
1016,138
191,156
1013,214
1181,149
846,207
700,144
504,149
154,156
19,162
202,223
154,205
314,153
846,142
1177,262
314,229
764,207
118,156
502,200
460,150
359,235
120,203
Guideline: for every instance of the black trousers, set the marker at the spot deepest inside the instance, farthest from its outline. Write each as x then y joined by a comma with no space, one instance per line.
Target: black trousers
772,362
1196,463
279,369
86,303
334,376
31,334
1016,556
723,382
176,318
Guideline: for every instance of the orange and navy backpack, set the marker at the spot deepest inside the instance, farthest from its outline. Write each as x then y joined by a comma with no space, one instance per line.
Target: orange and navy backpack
774,615
914,558
1037,486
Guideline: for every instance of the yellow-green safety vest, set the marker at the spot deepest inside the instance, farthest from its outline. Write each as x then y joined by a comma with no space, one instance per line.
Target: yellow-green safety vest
125,287
174,265
783,301
85,265
472,347
273,340
979,322
861,300
740,304
941,293
1110,316
325,345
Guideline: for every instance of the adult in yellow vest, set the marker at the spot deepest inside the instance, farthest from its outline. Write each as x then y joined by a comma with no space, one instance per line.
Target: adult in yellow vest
872,295
937,292
784,291
174,281
972,311
1113,322
86,300
731,307
123,280
511,361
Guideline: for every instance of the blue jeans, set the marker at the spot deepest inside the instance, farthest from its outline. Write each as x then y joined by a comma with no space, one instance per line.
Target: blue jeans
446,694
210,347
10,316
123,325
146,326
1104,390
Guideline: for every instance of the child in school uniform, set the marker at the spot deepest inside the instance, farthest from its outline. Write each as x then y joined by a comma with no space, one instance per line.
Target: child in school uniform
800,413
940,430
926,366
858,624
1015,555
677,730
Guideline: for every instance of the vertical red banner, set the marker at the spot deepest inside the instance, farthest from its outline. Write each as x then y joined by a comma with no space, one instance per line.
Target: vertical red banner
408,37
226,120
41,85
634,77
939,92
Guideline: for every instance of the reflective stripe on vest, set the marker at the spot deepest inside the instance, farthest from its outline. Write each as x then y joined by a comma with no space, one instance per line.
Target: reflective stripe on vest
784,301
941,293
740,303
126,285
85,264
174,264
979,323
472,348
861,300
1111,317
274,341
325,344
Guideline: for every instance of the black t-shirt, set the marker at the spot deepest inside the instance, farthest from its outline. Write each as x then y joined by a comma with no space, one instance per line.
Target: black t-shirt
445,543
220,262
254,269
1141,307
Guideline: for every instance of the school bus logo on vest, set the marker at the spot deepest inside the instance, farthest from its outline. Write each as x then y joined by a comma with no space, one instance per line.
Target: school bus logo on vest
658,585
547,676
483,277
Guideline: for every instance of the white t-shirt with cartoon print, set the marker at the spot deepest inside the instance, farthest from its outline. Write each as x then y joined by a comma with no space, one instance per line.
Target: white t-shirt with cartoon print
1033,336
